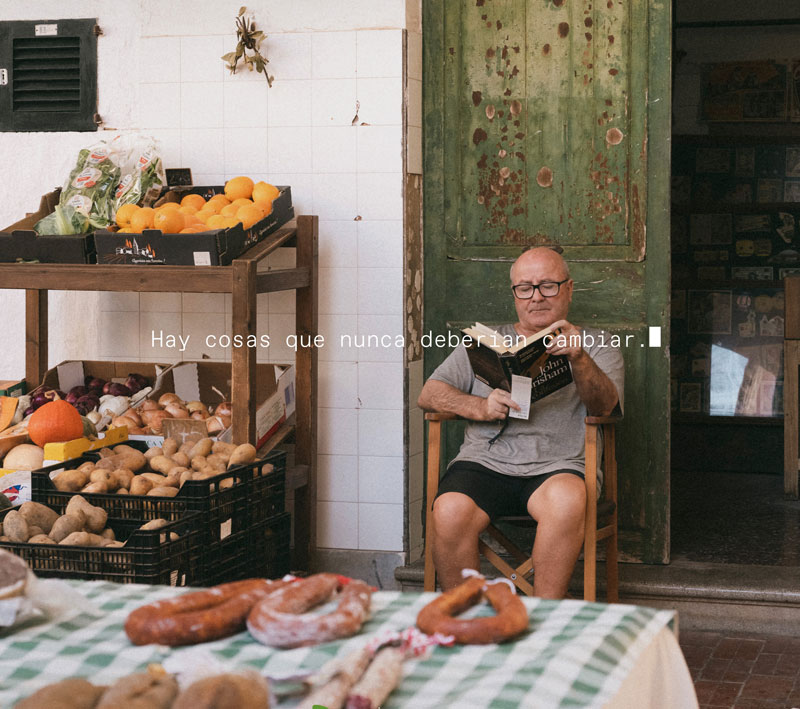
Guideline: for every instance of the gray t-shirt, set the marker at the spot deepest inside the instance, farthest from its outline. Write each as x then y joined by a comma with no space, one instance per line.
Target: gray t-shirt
553,436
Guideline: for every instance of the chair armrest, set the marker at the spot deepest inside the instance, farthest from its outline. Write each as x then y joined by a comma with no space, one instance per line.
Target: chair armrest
433,416
599,420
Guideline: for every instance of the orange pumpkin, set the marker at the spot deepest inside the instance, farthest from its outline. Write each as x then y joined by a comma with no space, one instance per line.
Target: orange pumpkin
54,422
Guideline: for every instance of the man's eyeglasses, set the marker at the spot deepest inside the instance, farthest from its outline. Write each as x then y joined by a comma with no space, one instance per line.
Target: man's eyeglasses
548,289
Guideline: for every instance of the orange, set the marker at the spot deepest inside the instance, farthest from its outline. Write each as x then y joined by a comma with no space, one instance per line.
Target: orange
191,230
192,220
242,201
142,219
217,221
238,187
229,210
214,207
221,199
193,200
168,205
188,209
264,192
170,221
125,230
124,214
231,221
249,215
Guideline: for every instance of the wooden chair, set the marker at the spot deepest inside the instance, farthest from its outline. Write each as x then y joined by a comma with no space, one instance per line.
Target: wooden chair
601,515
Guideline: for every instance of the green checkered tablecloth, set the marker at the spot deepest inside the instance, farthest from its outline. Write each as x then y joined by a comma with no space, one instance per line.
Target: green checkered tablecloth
576,654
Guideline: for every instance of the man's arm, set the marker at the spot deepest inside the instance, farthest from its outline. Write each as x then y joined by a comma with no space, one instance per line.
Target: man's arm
595,389
445,399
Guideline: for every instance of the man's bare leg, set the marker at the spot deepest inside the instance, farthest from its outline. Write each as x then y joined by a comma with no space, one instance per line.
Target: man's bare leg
457,523
559,507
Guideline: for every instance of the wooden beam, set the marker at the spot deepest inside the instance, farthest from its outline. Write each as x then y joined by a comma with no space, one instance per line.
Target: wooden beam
35,336
282,279
282,237
243,359
306,391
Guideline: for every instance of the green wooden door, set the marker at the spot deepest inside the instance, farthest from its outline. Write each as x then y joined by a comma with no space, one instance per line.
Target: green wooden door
548,121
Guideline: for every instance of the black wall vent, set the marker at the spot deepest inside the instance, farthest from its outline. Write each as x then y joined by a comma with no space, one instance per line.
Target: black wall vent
48,75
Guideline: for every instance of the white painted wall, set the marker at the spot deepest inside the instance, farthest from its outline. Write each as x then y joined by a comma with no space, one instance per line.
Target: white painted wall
159,71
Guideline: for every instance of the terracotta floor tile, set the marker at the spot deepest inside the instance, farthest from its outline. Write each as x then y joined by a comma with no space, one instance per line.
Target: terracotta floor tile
780,644
697,655
765,663
715,669
788,665
725,694
749,649
767,687
699,637
704,690
727,648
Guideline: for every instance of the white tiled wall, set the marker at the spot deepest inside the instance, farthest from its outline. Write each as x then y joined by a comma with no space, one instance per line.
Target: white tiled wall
331,126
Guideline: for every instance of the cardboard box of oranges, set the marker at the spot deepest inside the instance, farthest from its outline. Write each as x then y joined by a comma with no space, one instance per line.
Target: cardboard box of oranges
196,226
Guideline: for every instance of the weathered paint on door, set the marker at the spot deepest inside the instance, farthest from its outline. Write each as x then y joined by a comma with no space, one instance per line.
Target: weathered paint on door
547,121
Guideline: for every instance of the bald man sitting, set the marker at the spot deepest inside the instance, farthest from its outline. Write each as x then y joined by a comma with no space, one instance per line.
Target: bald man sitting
535,466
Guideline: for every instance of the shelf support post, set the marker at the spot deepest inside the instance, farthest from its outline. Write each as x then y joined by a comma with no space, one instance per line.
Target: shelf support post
243,359
35,336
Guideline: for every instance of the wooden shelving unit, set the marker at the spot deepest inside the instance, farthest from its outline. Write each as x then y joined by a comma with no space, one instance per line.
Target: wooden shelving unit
244,283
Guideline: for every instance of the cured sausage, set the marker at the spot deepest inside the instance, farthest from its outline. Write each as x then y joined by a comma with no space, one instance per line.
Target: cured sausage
377,683
281,619
510,620
199,616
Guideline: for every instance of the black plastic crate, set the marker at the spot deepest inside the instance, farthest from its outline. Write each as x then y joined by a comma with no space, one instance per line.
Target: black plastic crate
261,552
149,556
227,510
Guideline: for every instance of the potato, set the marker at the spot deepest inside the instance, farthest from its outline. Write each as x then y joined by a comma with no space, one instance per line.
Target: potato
83,539
94,488
15,527
123,491
108,533
216,461
87,467
181,459
107,477
71,480
124,477
152,452
40,539
33,530
187,448
223,448
202,447
185,475
114,543
245,453
143,689
162,464
105,452
95,516
75,693
169,447
38,515
163,491
155,523
199,462
66,525
133,460
140,485
267,468
226,483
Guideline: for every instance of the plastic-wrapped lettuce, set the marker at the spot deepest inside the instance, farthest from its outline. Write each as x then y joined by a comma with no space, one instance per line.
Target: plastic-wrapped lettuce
106,176
143,175
88,191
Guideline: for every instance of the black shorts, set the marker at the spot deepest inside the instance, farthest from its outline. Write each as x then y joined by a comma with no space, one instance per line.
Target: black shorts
496,494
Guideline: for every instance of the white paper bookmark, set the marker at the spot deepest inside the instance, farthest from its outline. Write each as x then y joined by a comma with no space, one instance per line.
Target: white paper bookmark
521,394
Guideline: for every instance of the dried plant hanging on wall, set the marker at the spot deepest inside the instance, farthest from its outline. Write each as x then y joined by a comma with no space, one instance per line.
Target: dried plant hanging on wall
247,48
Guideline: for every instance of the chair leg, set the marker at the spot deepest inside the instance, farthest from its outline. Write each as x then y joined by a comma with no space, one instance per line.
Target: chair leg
508,571
590,565
434,453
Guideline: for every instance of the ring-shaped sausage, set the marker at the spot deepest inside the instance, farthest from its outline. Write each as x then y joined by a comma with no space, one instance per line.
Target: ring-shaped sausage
510,619
282,619
199,616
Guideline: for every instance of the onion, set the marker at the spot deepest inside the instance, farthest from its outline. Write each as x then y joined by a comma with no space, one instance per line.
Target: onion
168,398
193,406
117,389
224,409
176,411
157,420
124,421
149,405
136,382
75,393
28,411
199,415
215,424
134,416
